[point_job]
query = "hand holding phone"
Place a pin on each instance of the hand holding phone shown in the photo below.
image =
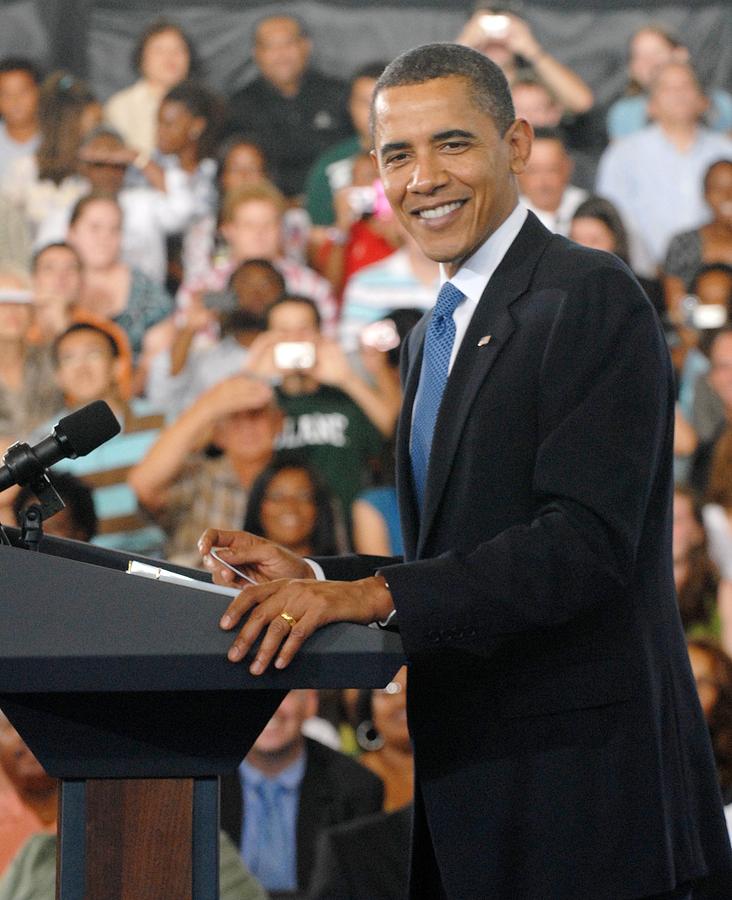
(214, 555)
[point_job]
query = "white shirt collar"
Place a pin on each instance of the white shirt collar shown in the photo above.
(474, 274)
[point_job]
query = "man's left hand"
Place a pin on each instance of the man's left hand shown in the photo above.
(290, 610)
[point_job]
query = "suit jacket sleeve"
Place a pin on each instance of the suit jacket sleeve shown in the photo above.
(604, 423)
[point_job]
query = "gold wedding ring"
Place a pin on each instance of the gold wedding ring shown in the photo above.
(289, 619)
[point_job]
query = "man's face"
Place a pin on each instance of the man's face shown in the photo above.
(57, 276)
(676, 98)
(447, 172)
(18, 99)
(255, 231)
(86, 369)
(546, 175)
(284, 729)
(15, 318)
(720, 375)
(280, 51)
(359, 106)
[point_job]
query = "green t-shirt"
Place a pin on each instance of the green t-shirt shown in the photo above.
(32, 874)
(334, 435)
(323, 175)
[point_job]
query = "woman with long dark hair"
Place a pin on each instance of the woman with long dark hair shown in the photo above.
(289, 504)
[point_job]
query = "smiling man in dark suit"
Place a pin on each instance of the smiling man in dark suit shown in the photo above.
(560, 752)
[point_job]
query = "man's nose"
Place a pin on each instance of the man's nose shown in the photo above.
(428, 174)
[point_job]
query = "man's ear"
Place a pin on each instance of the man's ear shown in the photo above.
(519, 137)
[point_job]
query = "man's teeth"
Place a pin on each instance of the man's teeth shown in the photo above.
(439, 210)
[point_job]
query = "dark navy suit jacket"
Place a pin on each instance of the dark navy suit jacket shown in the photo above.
(560, 750)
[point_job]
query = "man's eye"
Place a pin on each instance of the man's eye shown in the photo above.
(454, 145)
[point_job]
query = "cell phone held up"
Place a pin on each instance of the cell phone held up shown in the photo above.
(294, 355)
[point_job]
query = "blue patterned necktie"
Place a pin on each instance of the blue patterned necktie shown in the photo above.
(432, 380)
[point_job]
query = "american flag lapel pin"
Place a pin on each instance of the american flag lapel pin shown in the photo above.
(484, 340)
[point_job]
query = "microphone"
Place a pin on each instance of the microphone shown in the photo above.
(74, 435)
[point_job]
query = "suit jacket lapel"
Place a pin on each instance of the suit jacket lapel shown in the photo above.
(473, 363)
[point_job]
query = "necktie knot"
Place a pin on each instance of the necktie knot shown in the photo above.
(448, 300)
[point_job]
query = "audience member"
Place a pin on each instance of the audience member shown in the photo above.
(163, 57)
(38, 185)
(702, 313)
(333, 169)
(177, 377)
(375, 513)
(405, 280)
(110, 288)
(655, 176)
(251, 224)
(712, 669)
(650, 48)
(344, 863)
(241, 163)
(583, 135)
(57, 280)
(695, 575)
(77, 520)
(709, 431)
(28, 797)
(710, 243)
(286, 791)
(545, 182)
(28, 394)
(15, 244)
(384, 737)
(596, 223)
(88, 369)
(365, 230)
(331, 414)
(149, 213)
(185, 488)
(290, 504)
(19, 94)
(32, 874)
(293, 111)
(509, 41)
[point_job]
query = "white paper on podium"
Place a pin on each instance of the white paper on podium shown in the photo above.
(153, 572)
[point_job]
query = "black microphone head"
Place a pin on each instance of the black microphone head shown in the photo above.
(86, 429)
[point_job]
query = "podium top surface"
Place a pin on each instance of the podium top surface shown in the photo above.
(69, 626)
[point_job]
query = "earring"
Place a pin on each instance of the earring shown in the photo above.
(367, 737)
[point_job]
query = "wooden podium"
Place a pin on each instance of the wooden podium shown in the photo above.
(121, 687)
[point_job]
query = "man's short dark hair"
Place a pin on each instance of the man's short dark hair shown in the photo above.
(488, 84)
(83, 326)
(21, 64)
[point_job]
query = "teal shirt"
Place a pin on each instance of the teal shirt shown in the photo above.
(323, 176)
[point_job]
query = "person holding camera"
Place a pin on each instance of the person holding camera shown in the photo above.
(333, 418)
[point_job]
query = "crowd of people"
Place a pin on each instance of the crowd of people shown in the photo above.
(226, 273)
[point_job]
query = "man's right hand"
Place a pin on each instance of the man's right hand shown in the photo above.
(261, 559)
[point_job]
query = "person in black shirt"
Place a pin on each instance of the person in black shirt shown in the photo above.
(293, 111)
